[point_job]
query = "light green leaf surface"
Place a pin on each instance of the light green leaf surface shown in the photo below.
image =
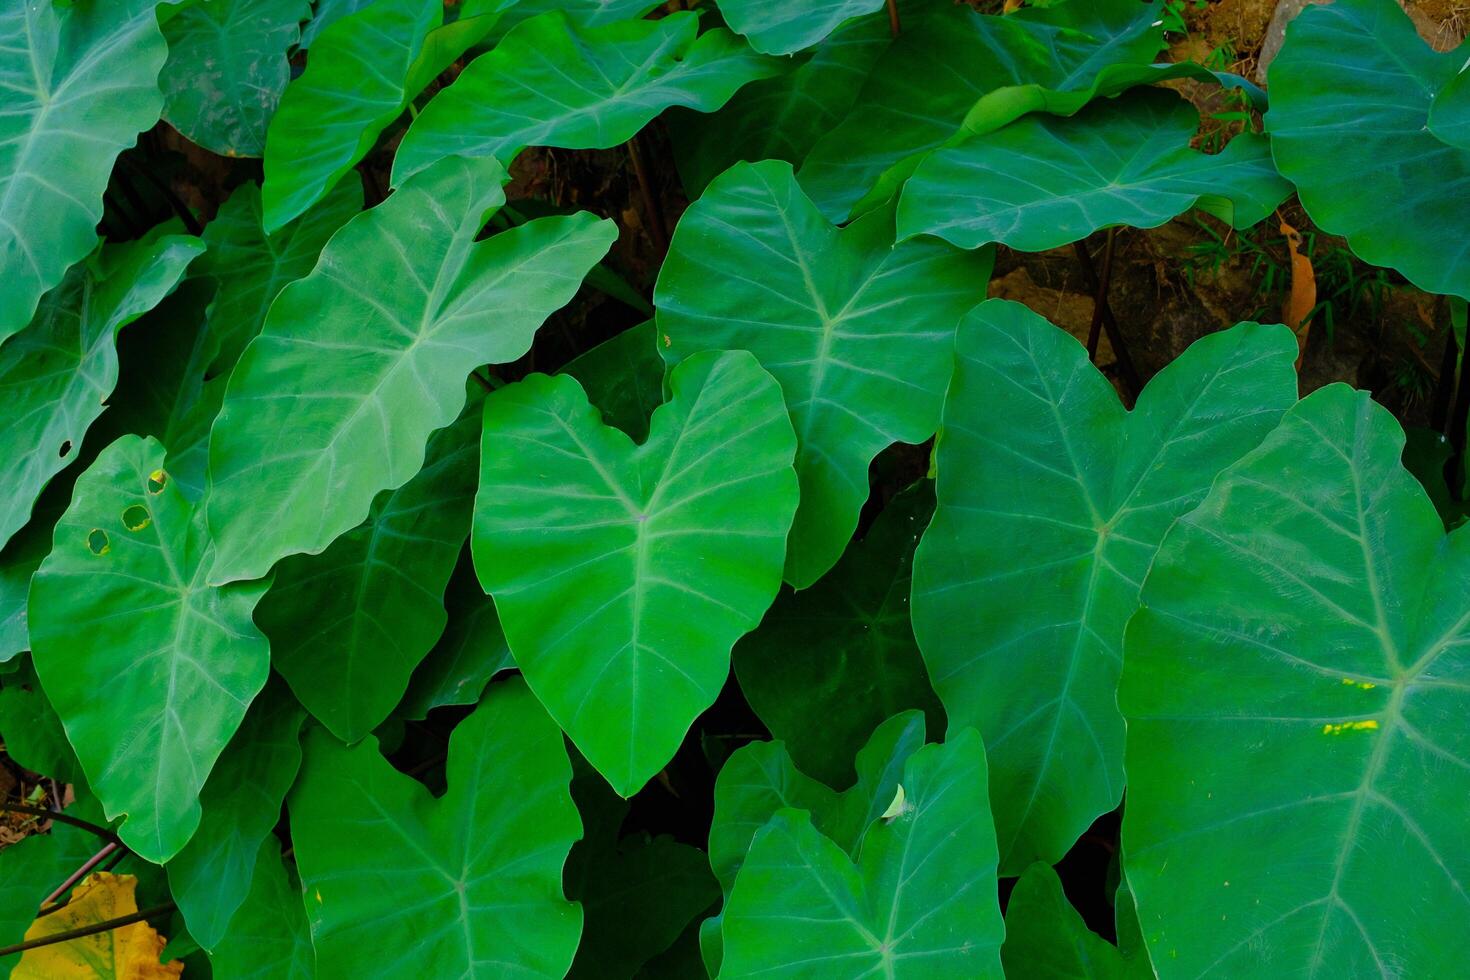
(624, 378)
(784, 27)
(624, 574)
(830, 663)
(1296, 688)
(212, 876)
(403, 304)
(124, 597)
(1052, 502)
(466, 885)
(1449, 115)
(268, 938)
(80, 83)
(1351, 94)
(227, 68)
(918, 902)
(1045, 181)
(471, 650)
(174, 373)
(348, 626)
(552, 83)
(327, 12)
(362, 73)
(859, 333)
(929, 80)
(585, 13)
(1046, 938)
(57, 373)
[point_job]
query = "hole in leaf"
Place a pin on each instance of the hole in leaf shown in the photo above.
(97, 542)
(157, 480)
(136, 518)
(65, 448)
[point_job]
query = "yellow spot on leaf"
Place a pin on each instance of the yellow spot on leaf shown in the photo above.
(319, 896)
(667, 341)
(157, 480)
(126, 953)
(1360, 685)
(1350, 726)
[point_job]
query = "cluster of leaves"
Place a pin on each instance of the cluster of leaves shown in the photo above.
(315, 504)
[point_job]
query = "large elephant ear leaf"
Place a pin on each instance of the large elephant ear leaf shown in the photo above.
(268, 937)
(1296, 688)
(123, 596)
(1052, 500)
(552, 83)
(409, 302)
(1046, 938)
(858, 331)
(1351, 95)
(777, 27)
(81, 82)
(57, 373)
(1060, 48)
(622, 601)
(477, 872)
(982, 190)
(227, 68)
(361, 74)
(918, 902)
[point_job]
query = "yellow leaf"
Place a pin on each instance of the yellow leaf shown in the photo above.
(1302, 300)
(127, 953)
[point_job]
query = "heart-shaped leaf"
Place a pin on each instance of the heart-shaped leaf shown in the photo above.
(349, 625)
(402, 305)
(211, 877)
(268, 937)
(476, 875)
(552, 83)
(784, 27)
(123, 596)
(1052, 502)
(363, 71)
(1046, 938)
(1296, 688)
(624, 377)
(859, 332)
(56, 375)
(227, 68)
(918, 902)
(1124, 161)
(622, 601)
(828, 664)
(1351, 95)
(80, 83)
(903, 110)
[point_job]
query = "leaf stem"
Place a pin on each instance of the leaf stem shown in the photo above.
(57, 815)
(1439, 413)
(893, 25)
(1100, 298)
(106, 925)
(81, 872)
(657, 229)
(1126, 369)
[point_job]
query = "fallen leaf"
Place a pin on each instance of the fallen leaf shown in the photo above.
(1296, 313)
(126, 953)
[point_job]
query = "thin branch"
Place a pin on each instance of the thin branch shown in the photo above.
(85, 931)
(81, 872)
(487, 381)
(57, 815)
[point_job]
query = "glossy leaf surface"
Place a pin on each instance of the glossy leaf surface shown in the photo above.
(1046, 938)
(774, 27)
(268, 937)
(622, 602)
(1052, 500)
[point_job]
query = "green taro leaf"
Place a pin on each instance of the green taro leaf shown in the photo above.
(584, 13)
(1045, 181)
(1296, 688)
(624, 573)
(624, 377)
(1351, 97)
(123, 597)
(361, 74)
(325, 14)
(173, 385)
(19, 560)
(402, 305)
(1449, 116)
(227, 68)
(348, 626)
(784, 27)
(471, 650)
(57, 373)
(829, 663)
(81, 81)
(923, 89)
(1046, 938)
(1052, 502)
(30, 729)
(466, 885)
(552, 83)
(268, 937)
(858, 331)
(919, 901)
(212, 876)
